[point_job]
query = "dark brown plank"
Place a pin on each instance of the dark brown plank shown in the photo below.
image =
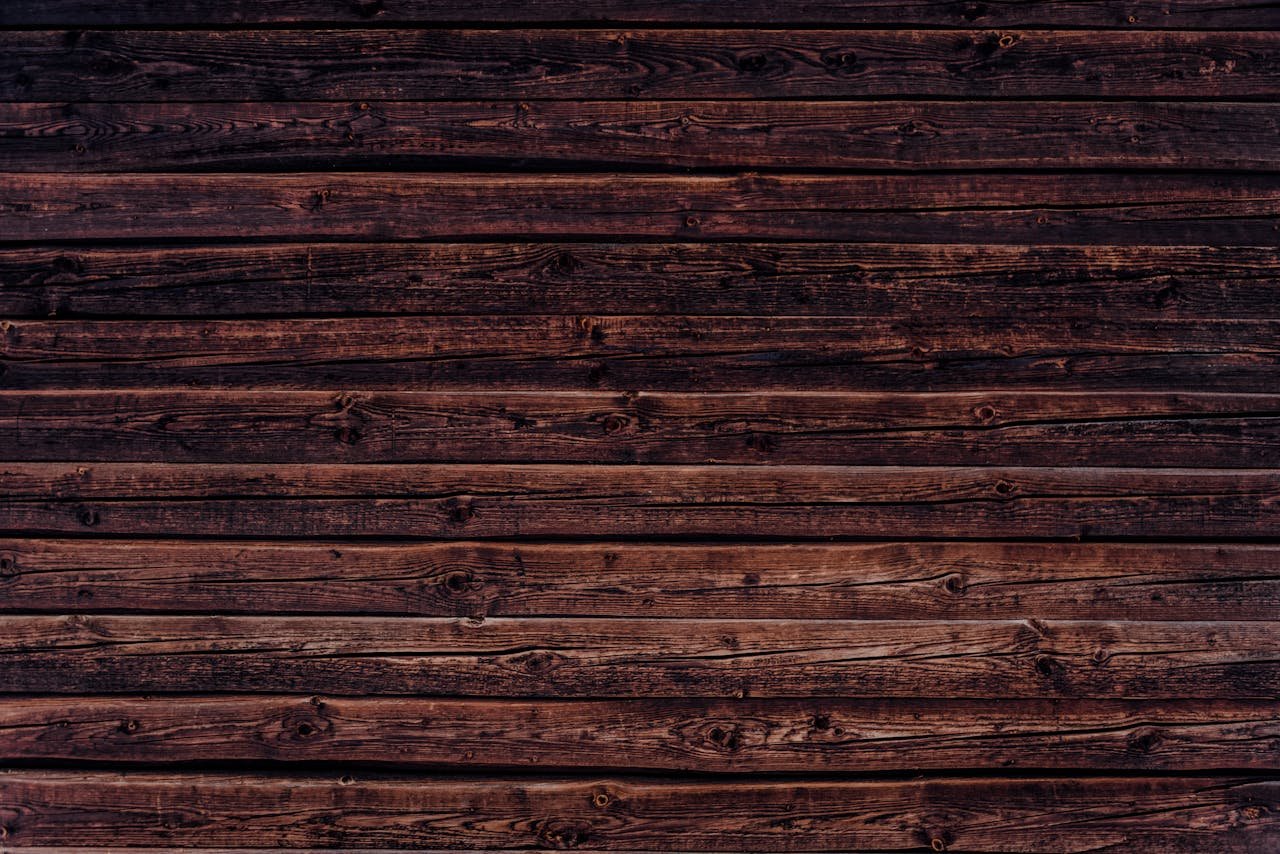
(1117, 209)
(872, 280)
(592, 658)
(614, 134)
(1168, 815)
(1193, 14)
(833, 428)
(462, 501)
(759, 736)
(624, 353)
(957, 581)
(284, 65)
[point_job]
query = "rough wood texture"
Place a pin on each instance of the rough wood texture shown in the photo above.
(249, 65)
(1091, 814)
(1093, 428)
(592, 657)
(1125, 14)
(761, 736)
(831, 425)
(968, 208)
(886, 281)
(566, 501)
(626, 353)
(620, 134)
(955, 581)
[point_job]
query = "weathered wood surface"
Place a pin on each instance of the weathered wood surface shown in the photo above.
(628, 134)
(283, 65)
(1124, 428)
(627, 353)
(1124, 14)
(593, 657)
(889, 281)
(852, 581)
(1171, 814)
(1181, 209)
(470, 501)
(840, 425)
(761, 736)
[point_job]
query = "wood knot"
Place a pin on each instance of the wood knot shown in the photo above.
(1007, 41)
(538, 661)
(348, 435)
(938, 844)
(821, 723)
(986, 412)
(459, 511)
(725, 738)
(954, 584)
(564, 833)
(840, 60)
(563, 264)
(8, 566)
(601, 800)
(88, 517)
(346, 779)
(130, 726)
(614, 423)
(367, 8)
(456, 583)
(1145, 740)
(1003, 487)
(763, 443)
(1047, 666)
(753, 63)
(973, 11)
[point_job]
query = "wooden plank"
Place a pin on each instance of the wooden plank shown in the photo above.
(759, 736)
(1190, 14)
(464, 501)
(618, 134)
(1169, 814)
(944, 581)
(286, 65)
(623, 353)
(833, 428)
(872, 280)
(1114, 209)
(596, 657)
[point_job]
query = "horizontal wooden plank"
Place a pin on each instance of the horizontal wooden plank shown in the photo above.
(1169, 814)
(617, 134)
(758, 736)
(285, 65)
(957, 580)
(872, 280)
(834, 428)
(1115, 209)
(624, 353)
(595, 657)
(463, 501)
(941, 13)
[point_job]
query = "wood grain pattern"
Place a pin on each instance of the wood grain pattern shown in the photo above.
(594, 657)
(280, 65)
(889, 281)
(1125, 14)
(1144, 814)
(1092, 428)
(629, 134)
(463, 501)
(626, 353)
(759, 736)
(967, 208)
(904, 580)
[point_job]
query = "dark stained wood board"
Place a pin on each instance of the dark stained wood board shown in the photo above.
(840, 425)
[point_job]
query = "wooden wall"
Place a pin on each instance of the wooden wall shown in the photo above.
(828, 425)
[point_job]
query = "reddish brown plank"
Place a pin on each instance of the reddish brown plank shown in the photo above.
(959, 581)
(411, 64)
(1137, 14)
(625, 353)
(885, 428)
(467, 501)
(1116, 209)
(611, 134)
(871, 280)
(1163, 815)
(595, 657)
(758, 736)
